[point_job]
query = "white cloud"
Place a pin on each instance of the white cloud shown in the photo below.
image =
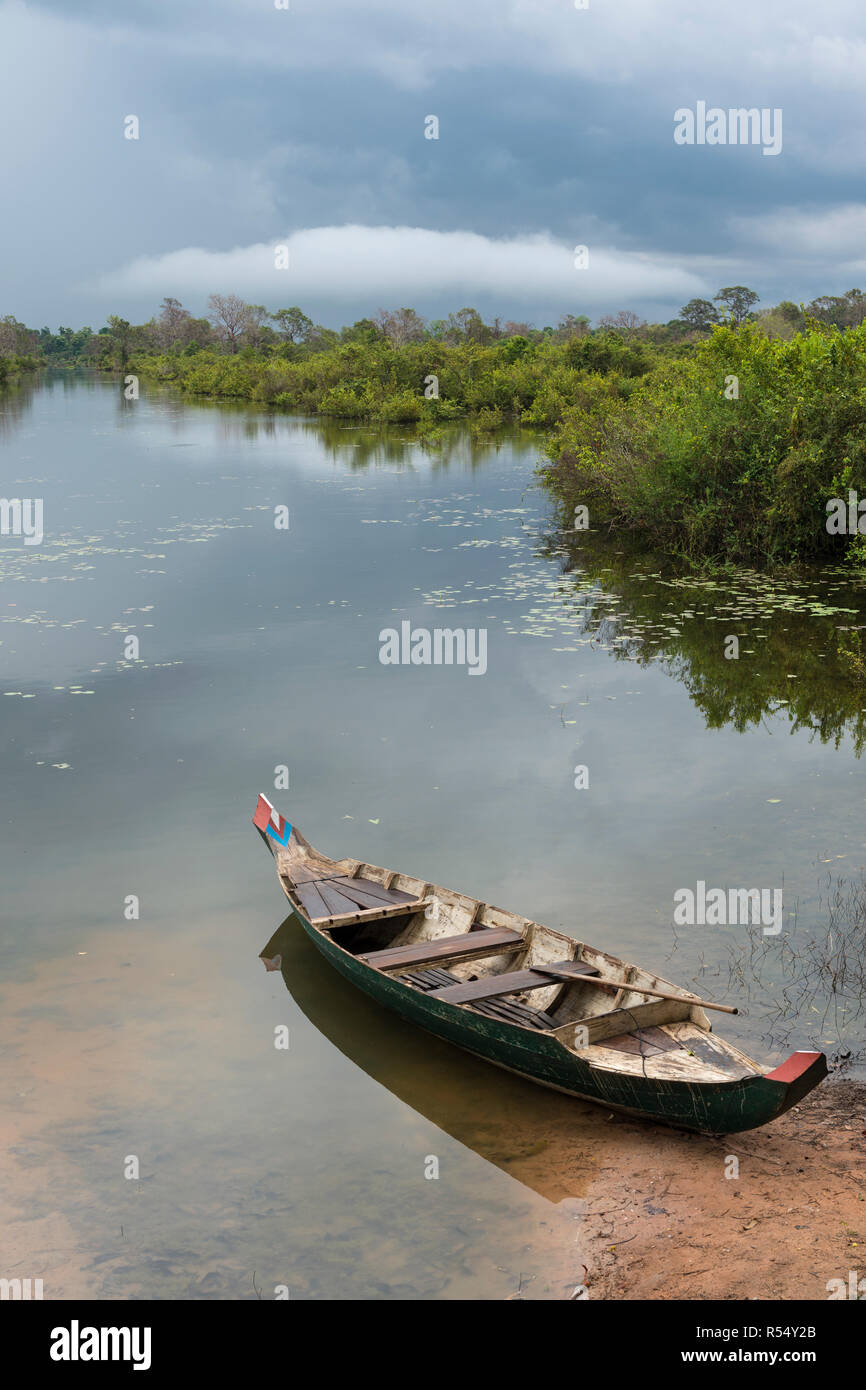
(824, 235)
(408, 264)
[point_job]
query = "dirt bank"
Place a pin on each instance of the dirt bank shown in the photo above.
(664, 1221)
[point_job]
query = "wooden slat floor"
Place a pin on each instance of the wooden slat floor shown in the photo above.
(646, 1042)
(506, 1012)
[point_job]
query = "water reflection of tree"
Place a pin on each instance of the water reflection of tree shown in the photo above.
(804, 664)
(365, 446)
(16, 398)
(358, 446)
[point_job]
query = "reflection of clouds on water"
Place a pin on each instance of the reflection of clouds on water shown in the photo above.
(310, 1160)
(296, 1166)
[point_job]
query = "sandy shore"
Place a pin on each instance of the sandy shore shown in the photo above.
(663, 1221)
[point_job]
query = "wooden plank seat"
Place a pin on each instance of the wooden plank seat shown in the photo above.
(512, 1012)
(345, 899)
(488, 941)
(511, 982)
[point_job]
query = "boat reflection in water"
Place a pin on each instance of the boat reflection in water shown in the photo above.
(513, 1124)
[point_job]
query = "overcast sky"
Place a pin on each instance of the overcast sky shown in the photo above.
(305, 127)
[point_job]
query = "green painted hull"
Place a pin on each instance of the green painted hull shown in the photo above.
(709, 1107)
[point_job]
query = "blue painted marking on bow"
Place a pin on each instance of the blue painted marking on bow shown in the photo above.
(280, 839)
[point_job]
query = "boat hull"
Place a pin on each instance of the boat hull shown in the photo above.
(706, 1107)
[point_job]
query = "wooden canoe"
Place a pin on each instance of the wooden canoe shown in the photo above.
(527, 998)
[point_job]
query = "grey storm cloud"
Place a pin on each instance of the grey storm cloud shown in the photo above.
(305, 125)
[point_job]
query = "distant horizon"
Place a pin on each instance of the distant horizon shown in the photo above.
(501, 318)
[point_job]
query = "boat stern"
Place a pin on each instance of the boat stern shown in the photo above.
(802, 1072)
(765, 1098)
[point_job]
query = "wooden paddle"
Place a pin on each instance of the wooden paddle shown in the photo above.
(635, 989)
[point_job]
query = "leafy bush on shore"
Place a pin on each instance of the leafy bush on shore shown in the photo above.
(11, 366)
(730, 453)
(509, 380)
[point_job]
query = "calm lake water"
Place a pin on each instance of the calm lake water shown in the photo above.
(153, 1038)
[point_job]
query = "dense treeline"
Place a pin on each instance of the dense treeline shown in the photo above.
(234, 327)
(232, 324)
(424, 383)
(723, 433)
(395, 367)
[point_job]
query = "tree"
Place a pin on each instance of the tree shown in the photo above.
(843, 311)
(362, 331)
(856, 307)
(8, 335)
(783, 321)
(230, 316)
(16, 337)
(66, 342)
(401, 326)
(256, 331)
(293, 324)
(471, 325)
(172, 325)
(828, 308)
(738, 301)
(572, 326)
(120, 331)
(321, 338)
(200, 332)
(699, 314)
(623, 322)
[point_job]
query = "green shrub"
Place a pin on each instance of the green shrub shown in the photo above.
(403, 408)
(345, 404)
(732, 452)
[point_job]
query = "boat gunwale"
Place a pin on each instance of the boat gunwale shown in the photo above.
(529, 924)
